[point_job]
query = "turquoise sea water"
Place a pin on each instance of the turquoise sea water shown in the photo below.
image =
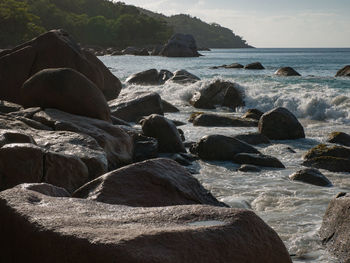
(318, 99)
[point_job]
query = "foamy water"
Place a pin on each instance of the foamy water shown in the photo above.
(320, 101)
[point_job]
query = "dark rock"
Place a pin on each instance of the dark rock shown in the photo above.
(178, 123)
(96, 232)
(153, 183)
(165, 75)
(181, 132)
(280, 124)
(54, 49)
(286, 72)
(168, 107)
(220, 93)
(333, 164)
(180, 45)
(142, 52)
(215, 120)
(13, 136)
(335, 228)
(183, 77)
(7, 107)
(116, 53)
(148, 77)
(234, 65)
(145, 148)
(156, 50)
(117, 121)
(344, 72)
(165, 132)
(311, 176)
(65, 171)
(253, 138)
(45, 189)
(67, 90)
(20, 163)
(339, 138)
(253, 114)
(255, 65)
(115, 142)
(134, 106)
(135, 51)
(249, 168)
(258, 159)
(220, 147)
(323, 150)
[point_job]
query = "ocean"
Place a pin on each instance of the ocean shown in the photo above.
(319, 100)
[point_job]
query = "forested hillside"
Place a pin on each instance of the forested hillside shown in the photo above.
(207, 35)
(105, 23)
(93, 22)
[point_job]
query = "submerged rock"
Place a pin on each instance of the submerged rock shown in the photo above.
(280, 124)
(339, 138)
(249, 168)
(258, 159)
(215, 120)
(344, 72)
(234, 65)
(67, 90)
(132, 107)
(221, 93)
(311, 176)
(153, 183)
(335, 228)
(98, 232)
(286, 72)
(220, 147)
(165, 131)
(180, 45)
(255, 65)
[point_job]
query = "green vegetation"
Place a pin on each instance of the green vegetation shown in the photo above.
(105, 23)
(91, 22)
(206, 35)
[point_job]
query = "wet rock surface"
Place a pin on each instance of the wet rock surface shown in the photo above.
(311, 176)
(258, 159)
(341, 138)
(286, 72)
(102, 232)
(216, 120)
(344, 72)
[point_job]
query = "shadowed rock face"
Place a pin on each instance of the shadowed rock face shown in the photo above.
(339, 138)
(180, 45)
(67, 90)
(153, 183)
(335, 228)
(221, 148)
(344, 72)
(280, 124)
(97, 232)
(54, 49)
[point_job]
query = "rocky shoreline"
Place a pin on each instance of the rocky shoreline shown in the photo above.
(88, 185)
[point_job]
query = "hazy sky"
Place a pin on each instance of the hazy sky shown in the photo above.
(269, 23)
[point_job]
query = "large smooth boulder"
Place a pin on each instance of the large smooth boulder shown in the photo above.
(20, 163)
(132, 107)
(339, 138)
(67, 90)
(234, 65)
(280, 124)
(180, 45)
(258, 159)
(183, 77)
(97, 232)
(335, 228)
(344, 72)
(221, 93)
(152, 183)
(220, 148)
(254, 65)
(165, 132)
(286, 72)
(216, 120)
(116, 143)
(148, 77)
(54, 49)
(328, 157)
(311, 176)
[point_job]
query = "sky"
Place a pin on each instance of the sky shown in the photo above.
(269, 23)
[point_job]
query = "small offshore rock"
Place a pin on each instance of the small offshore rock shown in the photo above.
(255, 65)
(258, 159)
(286, 72)
(311, 176)
(249, 168)
(339, 138)
(344, 72)
(216, 120)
